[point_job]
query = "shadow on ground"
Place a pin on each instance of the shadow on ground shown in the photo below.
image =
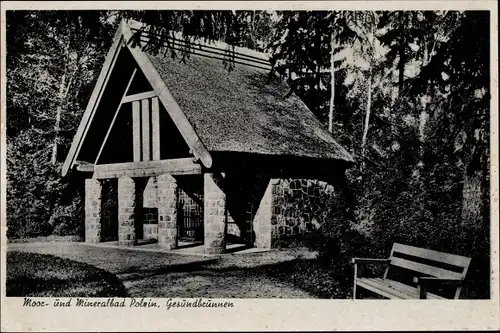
(273, 274)
(40, 275)
(222, 277)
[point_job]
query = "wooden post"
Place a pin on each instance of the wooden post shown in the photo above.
(355, 278)
(421, 291)
(386, 272)
(145, 129)
(155, 123)
(136, 131)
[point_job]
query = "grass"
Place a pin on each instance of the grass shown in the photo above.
(41, 275)
(51, 238)
(310, 276)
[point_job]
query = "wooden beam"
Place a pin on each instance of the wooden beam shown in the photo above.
(155, 123)
(174, 110)
(178, 166)
(136, 130)
(138, 97)
(84, 166)
(114, 117)
(145, 130)
(88, 115)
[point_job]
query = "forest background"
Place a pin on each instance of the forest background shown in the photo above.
(406, 92)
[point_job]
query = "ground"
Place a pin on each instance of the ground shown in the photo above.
(42, 275)
(146, 274)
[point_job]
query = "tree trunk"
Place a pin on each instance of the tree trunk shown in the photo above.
(332, 84)
(63, 93)
(368, 98)
(318, 67)
(402, 55)
(252, 29)
(60, 97)
(367, 120)
(472, 203)
(423, 117)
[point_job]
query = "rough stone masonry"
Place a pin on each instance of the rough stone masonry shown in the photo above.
(262, 212)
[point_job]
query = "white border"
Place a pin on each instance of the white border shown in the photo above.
(270, 314)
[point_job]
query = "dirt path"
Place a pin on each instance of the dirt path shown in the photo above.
(146, 274)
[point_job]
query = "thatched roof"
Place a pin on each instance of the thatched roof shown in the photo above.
(244, 110)
(216, 111)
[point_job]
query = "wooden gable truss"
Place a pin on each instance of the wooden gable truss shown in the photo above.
(145, 119)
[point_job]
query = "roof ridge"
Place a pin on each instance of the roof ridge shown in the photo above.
(223, 46)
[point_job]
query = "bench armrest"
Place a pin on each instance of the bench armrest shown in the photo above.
(424, 282)
(370, 261)
(429, 281)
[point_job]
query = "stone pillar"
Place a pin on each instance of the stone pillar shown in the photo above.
(265, 220)
(126, 211)
(92, 211)
(167, 211)
(277, 219)
(214, 214)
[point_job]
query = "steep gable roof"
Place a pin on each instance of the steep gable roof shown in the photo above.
(245, 111)
(216, 110)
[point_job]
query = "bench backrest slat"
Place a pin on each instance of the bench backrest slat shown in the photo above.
(428, 263)
(425, 269)
(451, 259)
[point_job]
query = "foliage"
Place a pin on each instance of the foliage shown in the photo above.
(427, 129)
(48, 73)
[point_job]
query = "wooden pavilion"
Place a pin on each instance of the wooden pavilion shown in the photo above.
(206, 152)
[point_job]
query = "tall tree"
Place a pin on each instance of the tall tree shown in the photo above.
(459, 75)
(52, 58)
(401, 32)
(364, 24)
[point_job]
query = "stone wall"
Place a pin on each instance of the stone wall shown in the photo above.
(127, 211)
(257, 210)
(167, 211)
(261, 215)
(190, 190)
(214, 213)
(92, 211)
(298, 206)
(272, 212)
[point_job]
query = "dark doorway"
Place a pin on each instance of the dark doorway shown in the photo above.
(190, 208)
(109, 210)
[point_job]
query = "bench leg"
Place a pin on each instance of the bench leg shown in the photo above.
(422, 292)
(355, 277)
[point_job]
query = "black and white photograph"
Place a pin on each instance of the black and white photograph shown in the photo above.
(187, 158)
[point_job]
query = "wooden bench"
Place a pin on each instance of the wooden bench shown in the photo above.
(433, 269)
